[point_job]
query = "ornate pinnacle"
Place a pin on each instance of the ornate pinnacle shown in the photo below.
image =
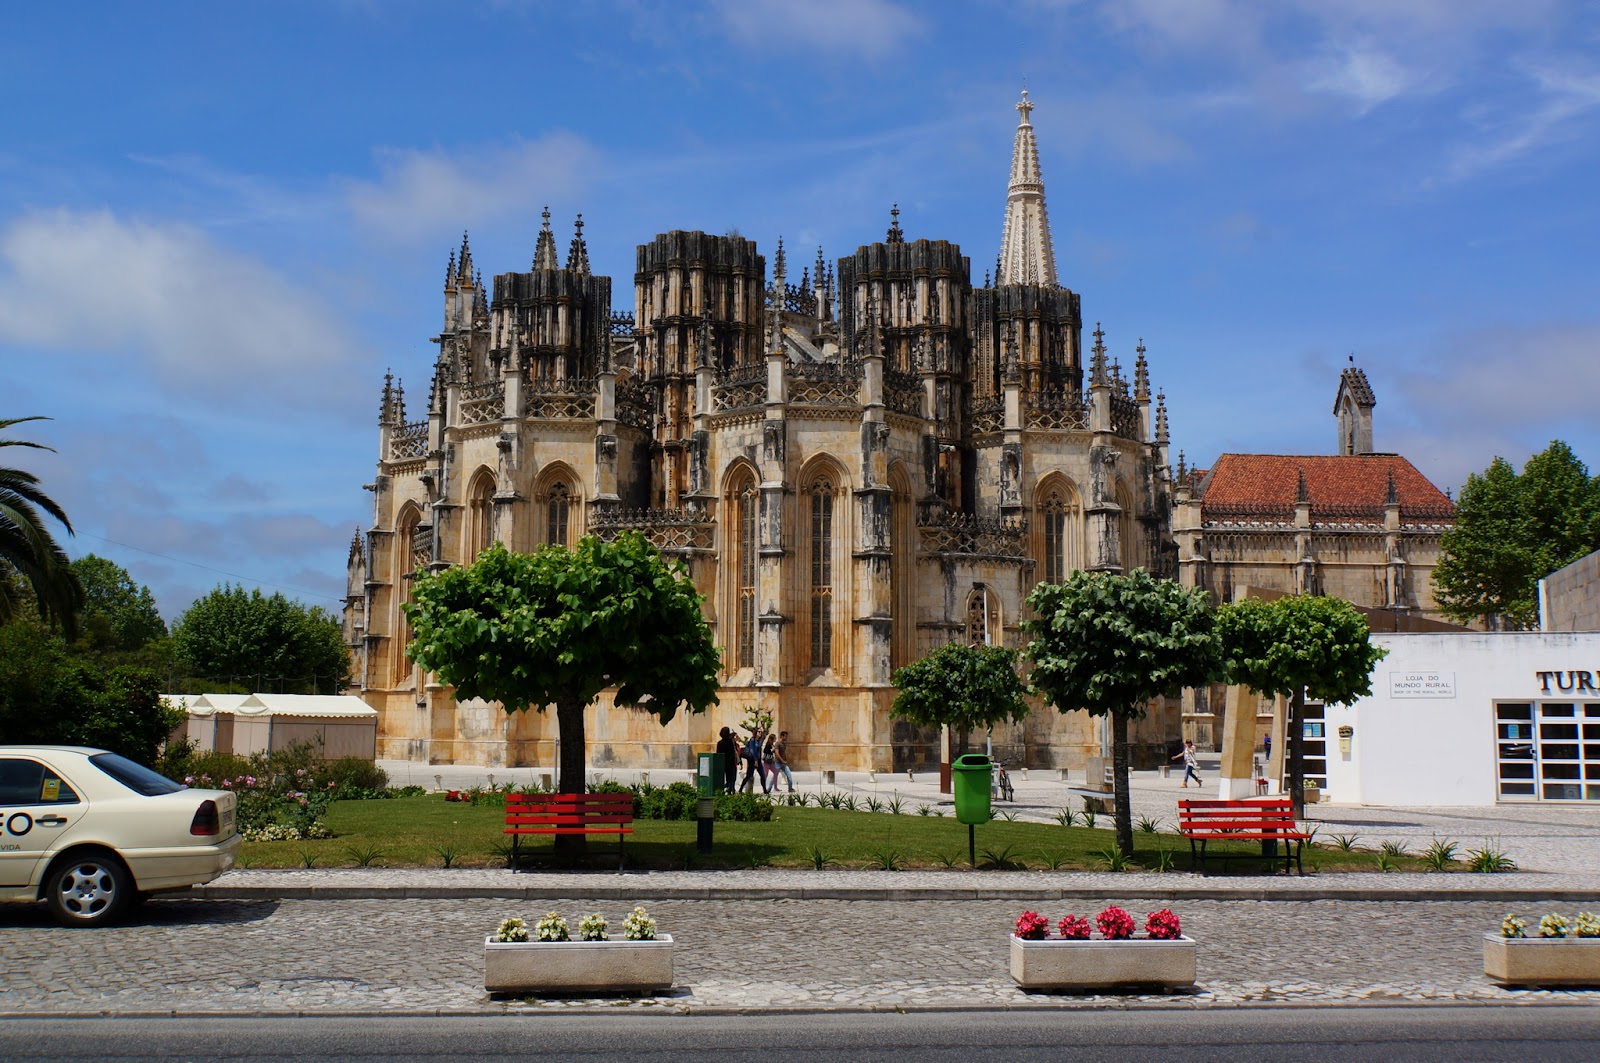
(1183, 468)
(805, 279)
(779, 267)
(1161, 418)
(1391, 497)
(1025, 108)
(464, 263)
(895, 235)
(820, 265)
(450, 270)
(578, 252)
(544, 251)
(1301, 494)
(399, 403)
(1141, 375)
(1097, 363)
(386, 403)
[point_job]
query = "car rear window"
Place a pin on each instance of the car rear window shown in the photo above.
(136, 777)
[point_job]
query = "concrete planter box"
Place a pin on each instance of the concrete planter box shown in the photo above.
(1541, 961)
(1056, 963)
(572, 968)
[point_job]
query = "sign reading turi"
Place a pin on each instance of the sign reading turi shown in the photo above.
(1422, 684)
(1567, 682)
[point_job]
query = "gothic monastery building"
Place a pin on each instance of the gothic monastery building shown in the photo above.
(854, 469)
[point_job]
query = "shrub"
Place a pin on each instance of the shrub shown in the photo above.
(744, 808)
(1115, 924)
(1031, 926)
(1163, 925)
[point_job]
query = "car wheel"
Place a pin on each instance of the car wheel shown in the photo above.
(88, 890)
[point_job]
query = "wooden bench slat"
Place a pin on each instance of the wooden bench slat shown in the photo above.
(569, 814)
(1249, 819)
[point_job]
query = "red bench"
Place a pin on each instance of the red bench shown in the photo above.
(568, 814)
(1264, 819)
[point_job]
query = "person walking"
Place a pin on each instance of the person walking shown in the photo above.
(752, 761)
(728, 746)
(1190, 762)
(781, 760)
(769, 763)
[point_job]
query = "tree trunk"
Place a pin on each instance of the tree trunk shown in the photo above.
(1119, 770)
(1296, 751)
(573, 768)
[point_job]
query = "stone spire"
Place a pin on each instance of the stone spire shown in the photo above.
(578, 253)
(1141, 374)
(544, 253)
(464, 262)
(1161, 418)
(450, 271)
(896, 235)
(1026, 256)
(1097, 362)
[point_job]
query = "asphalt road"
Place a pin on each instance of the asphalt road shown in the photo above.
(1461, 1035)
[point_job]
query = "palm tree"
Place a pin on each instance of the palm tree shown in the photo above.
(27, 548)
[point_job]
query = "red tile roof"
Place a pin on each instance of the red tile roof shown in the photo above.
(1335, 484)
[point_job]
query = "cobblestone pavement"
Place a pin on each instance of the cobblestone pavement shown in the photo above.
(410, 955)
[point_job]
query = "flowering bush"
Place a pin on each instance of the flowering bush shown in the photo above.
(1031, 926)
(638, 926)
(593, 928)
(1114, 923)
(1163, 925)
(512, 930)
(1553, 926)
(1588, 925)
(552, 928)
(1512, 927)
(1073, 928)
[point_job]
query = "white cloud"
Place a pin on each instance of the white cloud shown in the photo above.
(423, 193)
(208, 319)
(869, 28)
(1563, 97)
(1366, 75)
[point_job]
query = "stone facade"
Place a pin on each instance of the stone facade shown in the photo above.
(1569, 598)
(853, 469)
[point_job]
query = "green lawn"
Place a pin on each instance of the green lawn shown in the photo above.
(421, 831)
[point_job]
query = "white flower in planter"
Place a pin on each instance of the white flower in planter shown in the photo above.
(593, 928)
(512, 930)
(639, 926)
(1513, 927)
(552, 928)
(1553, 926)
(1588, 925)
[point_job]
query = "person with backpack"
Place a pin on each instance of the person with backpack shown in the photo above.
(751, 755)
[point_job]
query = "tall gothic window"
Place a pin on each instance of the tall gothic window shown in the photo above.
(821, 574)
(411, 557)
(480, 516)
(558, 512)
(747, 550)
(1063, 534)
(1125, 531)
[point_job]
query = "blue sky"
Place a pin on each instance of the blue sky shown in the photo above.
(220, 224)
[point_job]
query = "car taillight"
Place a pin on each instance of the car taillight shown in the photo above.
(206, 821)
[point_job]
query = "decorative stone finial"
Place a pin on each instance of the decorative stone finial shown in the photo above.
(895, 235)
(1097, 361)
(544, 252)
(1141, 374)
(1161, 418)
(578, 252)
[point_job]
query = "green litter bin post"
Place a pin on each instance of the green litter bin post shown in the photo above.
(970, 779)
(708, 782)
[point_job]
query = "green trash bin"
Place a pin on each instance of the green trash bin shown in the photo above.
(970, 779)
(708, 774)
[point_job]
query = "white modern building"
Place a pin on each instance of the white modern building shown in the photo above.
(1468, 718)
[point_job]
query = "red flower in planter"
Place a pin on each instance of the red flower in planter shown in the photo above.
(1074, 928)
(1115, 923)
(1031, 926)
(1163, 925)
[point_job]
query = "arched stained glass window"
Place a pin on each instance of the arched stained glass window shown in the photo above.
(821, 496)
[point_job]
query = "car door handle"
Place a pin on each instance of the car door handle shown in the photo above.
(51, 821)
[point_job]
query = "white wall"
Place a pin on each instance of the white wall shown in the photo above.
(1440, 750)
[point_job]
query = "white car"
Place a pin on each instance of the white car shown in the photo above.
(91, 833)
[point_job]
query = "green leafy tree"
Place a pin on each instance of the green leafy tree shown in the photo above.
(1298, 647)
(961, 686)
(265, 643)
(49, 696)
(118, 614)
(28, 549)
(1110, 643)
(1513, 530)
(559, 626)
